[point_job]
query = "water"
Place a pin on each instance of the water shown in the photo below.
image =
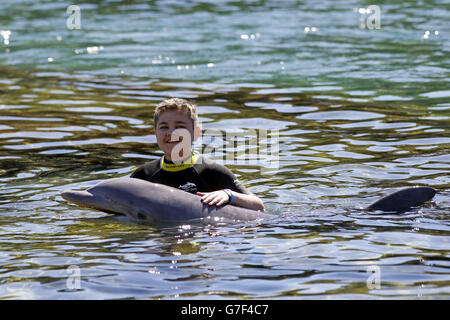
(359, 112)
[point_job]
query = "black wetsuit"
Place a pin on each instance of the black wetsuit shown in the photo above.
(203, 176)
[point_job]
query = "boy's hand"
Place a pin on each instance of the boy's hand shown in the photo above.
(217, 198)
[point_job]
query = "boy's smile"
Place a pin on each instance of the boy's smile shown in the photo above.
(168, 138)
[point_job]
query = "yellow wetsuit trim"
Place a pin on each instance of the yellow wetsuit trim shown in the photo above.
(189, 162)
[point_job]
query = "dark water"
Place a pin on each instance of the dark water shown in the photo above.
(358, 113)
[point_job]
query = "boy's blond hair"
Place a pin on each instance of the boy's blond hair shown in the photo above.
(179, 105)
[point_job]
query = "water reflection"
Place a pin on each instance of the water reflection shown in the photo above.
(359, 112)
(336, 156)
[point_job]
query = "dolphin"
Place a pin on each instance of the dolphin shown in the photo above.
(156, 203)
(403, 199)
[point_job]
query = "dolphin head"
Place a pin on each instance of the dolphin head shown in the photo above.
(87, 199)
(114, 196)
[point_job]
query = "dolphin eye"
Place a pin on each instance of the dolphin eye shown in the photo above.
(141, 216)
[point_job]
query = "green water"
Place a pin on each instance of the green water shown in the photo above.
(359, 112)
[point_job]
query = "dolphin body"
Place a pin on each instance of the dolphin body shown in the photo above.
(155, 203)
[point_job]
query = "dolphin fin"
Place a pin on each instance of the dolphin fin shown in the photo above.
(403, 200)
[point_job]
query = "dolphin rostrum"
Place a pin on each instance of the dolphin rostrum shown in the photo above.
(151, 202)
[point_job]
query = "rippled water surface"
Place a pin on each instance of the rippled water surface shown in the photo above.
(359, 112)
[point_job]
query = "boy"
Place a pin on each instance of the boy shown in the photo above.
(176, 128)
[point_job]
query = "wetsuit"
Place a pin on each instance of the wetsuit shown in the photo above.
(199, 174)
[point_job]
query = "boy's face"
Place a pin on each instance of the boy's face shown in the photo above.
(168, 122)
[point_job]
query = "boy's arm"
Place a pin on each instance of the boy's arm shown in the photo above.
(230, 190)
(221, 197)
